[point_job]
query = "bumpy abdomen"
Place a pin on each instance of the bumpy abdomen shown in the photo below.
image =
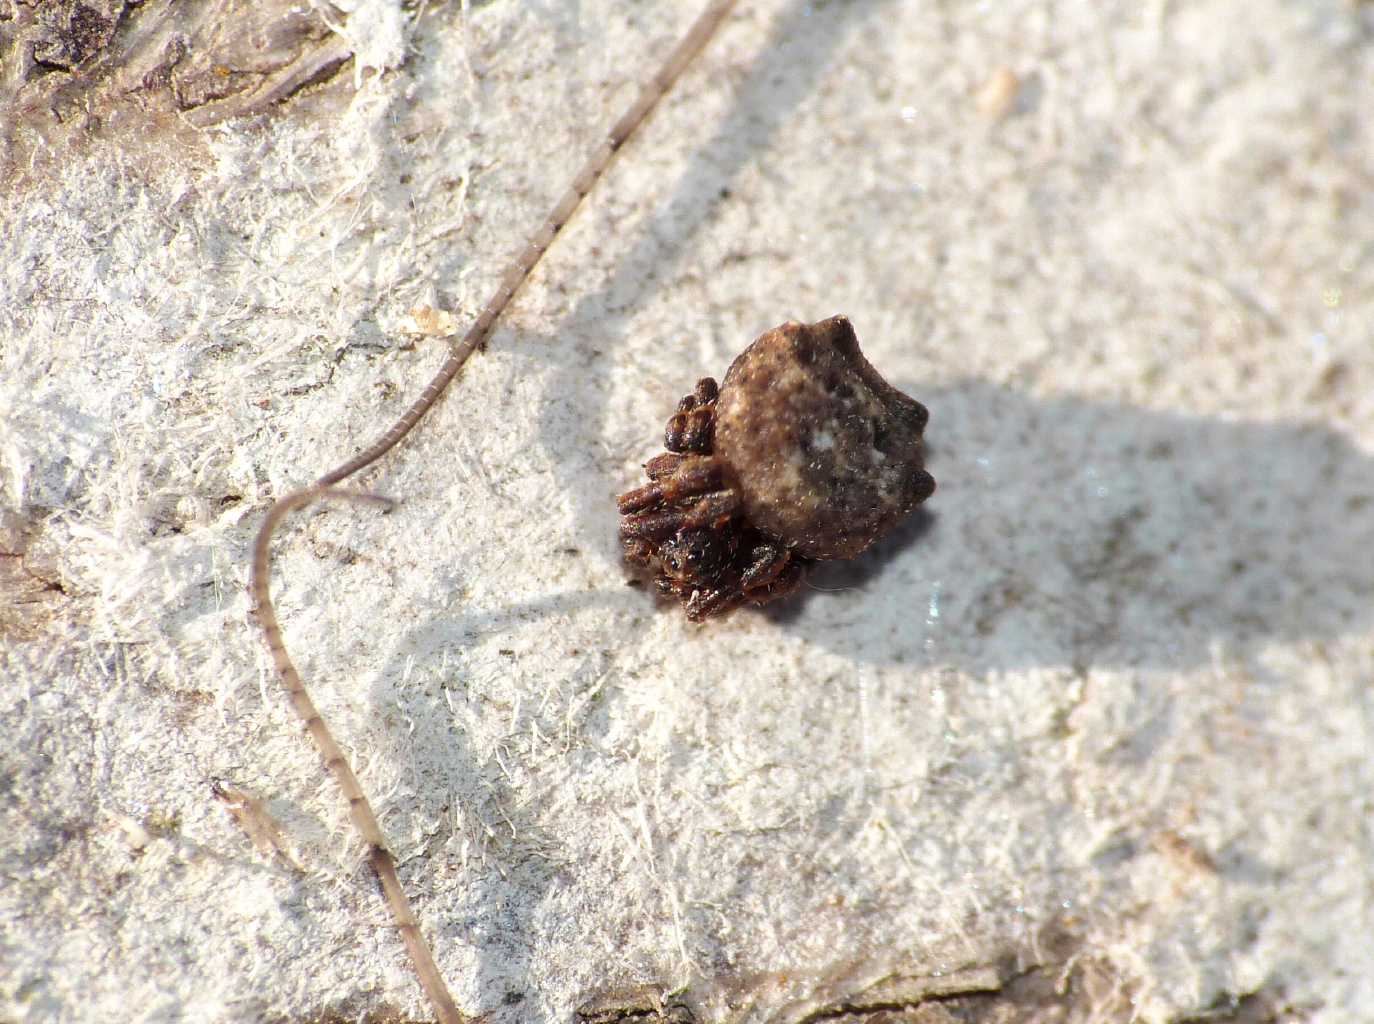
(826, 455)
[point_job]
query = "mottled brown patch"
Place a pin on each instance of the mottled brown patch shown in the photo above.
(34, 600)
(74, 32)
(142, 77)
(825, 453)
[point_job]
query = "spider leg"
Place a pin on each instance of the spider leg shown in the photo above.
(691, 476)
(767, 562)
(788, 580)
(709, 510)
(712, 601)
(650, 526)
(774, 573)
(691, 431)
(692, 427)
(714, 509)
(638, 552)
(785, 584)
(664, 464)
(699, 603)
(706, 391)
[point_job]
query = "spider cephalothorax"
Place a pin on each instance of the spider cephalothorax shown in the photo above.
(804, 454)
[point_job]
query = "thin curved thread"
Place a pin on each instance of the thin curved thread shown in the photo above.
(515, 275)
(335, 762)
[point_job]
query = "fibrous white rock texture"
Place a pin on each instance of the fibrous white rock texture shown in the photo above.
(1091, 736)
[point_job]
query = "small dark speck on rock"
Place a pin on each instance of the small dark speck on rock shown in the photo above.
(86, 31)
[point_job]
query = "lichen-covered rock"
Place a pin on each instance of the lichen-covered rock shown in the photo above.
(826, 455)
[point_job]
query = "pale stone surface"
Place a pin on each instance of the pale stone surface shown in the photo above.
(1110, 699)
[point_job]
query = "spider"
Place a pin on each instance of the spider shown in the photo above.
(687, 520)
(804, 454)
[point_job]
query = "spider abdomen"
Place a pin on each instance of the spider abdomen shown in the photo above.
(827, 455)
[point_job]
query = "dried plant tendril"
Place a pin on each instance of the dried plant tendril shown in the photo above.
(516, 273)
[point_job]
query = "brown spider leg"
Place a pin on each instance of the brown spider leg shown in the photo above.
(666, 585)
(769, 562)
(650, 526)
(715, 601)
(664, 464)
(694, 475)
(691, 429)
(713, 509)
(710, 510)
(639, 552)
(706, 391)
(788, 580)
